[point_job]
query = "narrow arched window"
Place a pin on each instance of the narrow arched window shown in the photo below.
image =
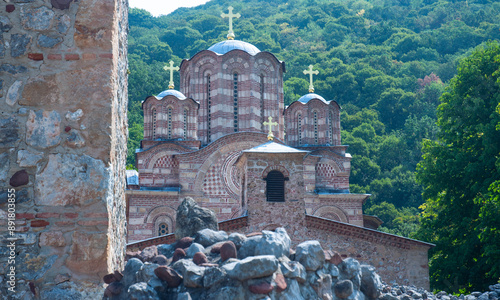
(169, 123)
(154, 123)
(275, 186)
(209, 104)
(331, 128)
(299, 128)
(262, 101)
(162, 229)
(315, 128)
(235, 101)
(185, 123)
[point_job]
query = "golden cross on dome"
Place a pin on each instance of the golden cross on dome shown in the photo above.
(171, 69)
(270, 135)
(311, 72)
(230, 15)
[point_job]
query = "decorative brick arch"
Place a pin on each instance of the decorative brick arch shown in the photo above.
(331, 162)
(277, 168)
(171, 149)
(204, 60)
(221, 147)
(161, 214)
(236, 62)
(332, 158)
(265, 66)
(331, 212)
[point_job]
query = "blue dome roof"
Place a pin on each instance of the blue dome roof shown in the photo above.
(310, 96)
(228, 45)
(175, 93)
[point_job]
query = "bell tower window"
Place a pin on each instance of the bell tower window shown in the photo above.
(169, 123)
(299, 127)
(209, 104)
(275, 187)
(262, 100)
(331, 127)
(235, 101)
(316, 128)
(154, 123)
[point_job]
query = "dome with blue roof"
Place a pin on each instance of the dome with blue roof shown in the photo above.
(228, 45)
(304, 99)
(175, 93)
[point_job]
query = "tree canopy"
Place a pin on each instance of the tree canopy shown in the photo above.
(460, 173)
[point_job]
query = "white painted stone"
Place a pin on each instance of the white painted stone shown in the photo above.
(13, 93)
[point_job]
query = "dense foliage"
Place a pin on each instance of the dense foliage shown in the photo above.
(460, 173)
(386, 62)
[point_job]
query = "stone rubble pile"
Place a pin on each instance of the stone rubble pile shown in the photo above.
(210, 264)
(396, 292)
(215, 265)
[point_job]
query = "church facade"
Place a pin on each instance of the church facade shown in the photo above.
(226, 139)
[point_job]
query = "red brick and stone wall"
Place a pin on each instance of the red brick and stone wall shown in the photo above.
(63, 93)
(263, 214)
(397, 259)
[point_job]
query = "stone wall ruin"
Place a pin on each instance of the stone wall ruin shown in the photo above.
(63, 133)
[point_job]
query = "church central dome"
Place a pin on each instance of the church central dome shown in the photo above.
(310, 96)
(228, 45)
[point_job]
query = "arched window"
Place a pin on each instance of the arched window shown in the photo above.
(275, 187)
(185, 123)
(262, 101)
(330, 127)
(235, 101)
(162, 229)
(169, 123)
(154, 123)
(209, 104)
(315, 128)
(299, 127)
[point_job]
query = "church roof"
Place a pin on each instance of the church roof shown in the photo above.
(273, 147)
(310, 96)
(228, 45)
(175, 93)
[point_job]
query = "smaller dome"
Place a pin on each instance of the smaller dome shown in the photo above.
(174, 93)
(310, 96)
(228, 45)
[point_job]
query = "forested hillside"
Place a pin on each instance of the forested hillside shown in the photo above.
(386, 62)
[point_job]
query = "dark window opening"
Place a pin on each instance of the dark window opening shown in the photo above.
(275, 187)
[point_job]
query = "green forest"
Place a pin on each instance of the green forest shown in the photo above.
(418, 84)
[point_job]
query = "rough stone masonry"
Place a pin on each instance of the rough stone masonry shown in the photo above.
(63, 132)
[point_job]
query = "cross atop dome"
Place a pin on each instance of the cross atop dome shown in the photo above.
(230, 15)
(171, 69)
(311, 72)
(270, 135)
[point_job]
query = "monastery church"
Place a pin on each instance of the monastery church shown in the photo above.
(226, 139)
